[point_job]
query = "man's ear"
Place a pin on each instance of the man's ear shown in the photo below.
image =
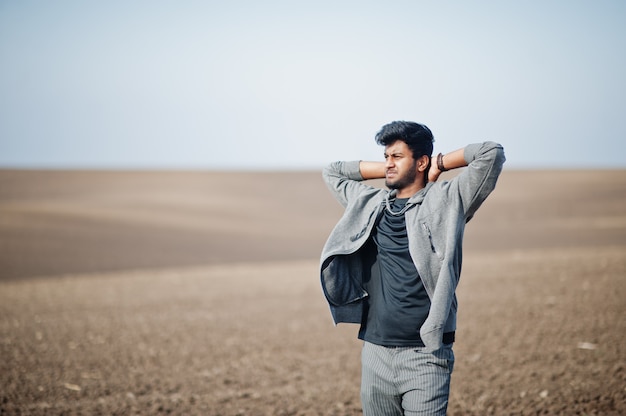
(422, 163)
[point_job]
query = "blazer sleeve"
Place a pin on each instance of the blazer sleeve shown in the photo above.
(478, 180)
(344, 180)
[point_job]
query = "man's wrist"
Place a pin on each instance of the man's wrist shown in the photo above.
(440, 164)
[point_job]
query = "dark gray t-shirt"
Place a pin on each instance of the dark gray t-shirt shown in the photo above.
(398, 304)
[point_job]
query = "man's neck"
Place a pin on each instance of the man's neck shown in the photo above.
(409, 191)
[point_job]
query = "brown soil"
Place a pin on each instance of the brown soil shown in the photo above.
(197, 293)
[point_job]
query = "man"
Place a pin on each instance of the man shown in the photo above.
(393, 261)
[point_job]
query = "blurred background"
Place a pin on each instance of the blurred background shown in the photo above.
(162, 209)
(293, 85)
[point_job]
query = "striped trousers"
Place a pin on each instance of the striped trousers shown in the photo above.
(405, 380)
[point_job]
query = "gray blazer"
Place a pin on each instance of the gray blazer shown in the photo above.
(435, 229)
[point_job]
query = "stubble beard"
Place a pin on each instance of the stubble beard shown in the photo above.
(403, 181)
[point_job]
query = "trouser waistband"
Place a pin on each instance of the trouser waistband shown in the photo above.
(448, 337)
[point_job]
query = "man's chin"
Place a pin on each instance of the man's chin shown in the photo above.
(391, 185)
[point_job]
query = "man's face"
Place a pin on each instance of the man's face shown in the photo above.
(400, 167)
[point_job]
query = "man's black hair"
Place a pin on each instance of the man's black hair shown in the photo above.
(417, 136)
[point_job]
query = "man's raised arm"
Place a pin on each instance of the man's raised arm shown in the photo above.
(372, 170)
(452, 160)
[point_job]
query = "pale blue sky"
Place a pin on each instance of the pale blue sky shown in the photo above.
(286, 84)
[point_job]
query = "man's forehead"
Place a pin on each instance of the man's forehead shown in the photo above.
(396, 147)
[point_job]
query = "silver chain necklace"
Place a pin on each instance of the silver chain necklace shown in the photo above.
(398, 213)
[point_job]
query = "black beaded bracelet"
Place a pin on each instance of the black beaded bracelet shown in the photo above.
(440, 163)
